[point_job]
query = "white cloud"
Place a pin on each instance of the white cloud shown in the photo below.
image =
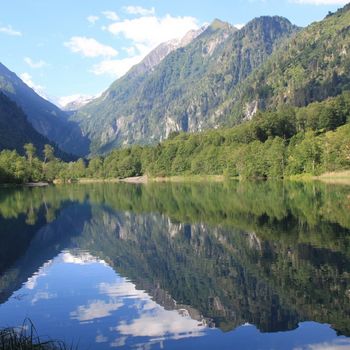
(122, 289)
(337, 344)
(145, 33)
(119, 342)
(131, 51)
(78, 258)
(33, 280)
(79, 101)
(138, 10)
(239, 25)
(116, 68)
(89, 47)
(40, 90)
(43, 296)
(151, 30)
(321, 2)
(10, 31)
(111, 15)
(151, 320)
(95, 309)
(160, 323)
(100, 338)
(34, 65)
(92, 19)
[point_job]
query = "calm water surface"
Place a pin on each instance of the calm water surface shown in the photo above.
(177, 266)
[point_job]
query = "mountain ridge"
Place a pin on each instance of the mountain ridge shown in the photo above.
(44, 116)
(181, 93)
(164, 49)
(216, 76)
(310, 67)
(16, 131)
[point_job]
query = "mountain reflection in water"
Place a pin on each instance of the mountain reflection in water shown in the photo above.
(247, 265)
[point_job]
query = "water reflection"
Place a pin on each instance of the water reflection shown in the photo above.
(175, 265)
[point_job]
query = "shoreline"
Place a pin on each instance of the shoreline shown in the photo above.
(333, 178)
(134, 180)
(37, 184)
(145, 179)
(336, 178)
(191, 178)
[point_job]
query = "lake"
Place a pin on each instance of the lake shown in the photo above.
(236, 265)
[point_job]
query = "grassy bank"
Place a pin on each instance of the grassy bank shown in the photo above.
(341, 177)
(336, 177)
(147, 179)
(136, 179)
(190, 178)
(26, 338)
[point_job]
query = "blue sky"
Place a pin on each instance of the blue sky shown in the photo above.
(68, 47)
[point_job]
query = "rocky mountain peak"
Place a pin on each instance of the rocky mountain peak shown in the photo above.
(163, 50)
(218, 24)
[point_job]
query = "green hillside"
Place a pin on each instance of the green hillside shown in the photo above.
(291, 141)
(311, 66)
(16, 131)
(45, 117)
(185, 90)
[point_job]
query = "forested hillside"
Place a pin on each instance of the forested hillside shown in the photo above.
(45, 117)
(269, 100)
(312, 66)
(222, 78)
(291, 141)
(16, 131)
(184, 92)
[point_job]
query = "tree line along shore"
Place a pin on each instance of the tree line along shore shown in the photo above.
(288, 142)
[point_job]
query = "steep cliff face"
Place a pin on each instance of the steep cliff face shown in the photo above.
(185, 90)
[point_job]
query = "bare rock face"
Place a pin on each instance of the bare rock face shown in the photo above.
(250, 110)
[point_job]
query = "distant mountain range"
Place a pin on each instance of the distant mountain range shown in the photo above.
(214, 77)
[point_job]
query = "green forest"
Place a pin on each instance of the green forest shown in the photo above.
(290, 141)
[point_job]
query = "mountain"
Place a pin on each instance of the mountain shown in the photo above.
(183, 91)
(73, 103)
(16, 131)
(146, 65)
(163, 50)
(45, 117)
(311, 66)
